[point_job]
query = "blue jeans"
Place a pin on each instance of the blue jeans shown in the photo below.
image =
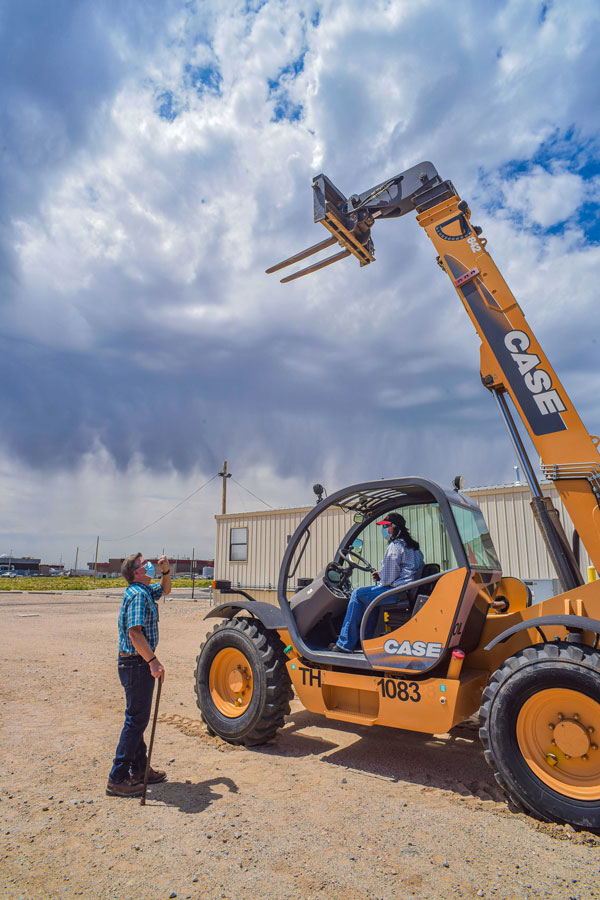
(359, 600)
(138, 683)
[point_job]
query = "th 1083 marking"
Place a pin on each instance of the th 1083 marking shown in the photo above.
(399, 690)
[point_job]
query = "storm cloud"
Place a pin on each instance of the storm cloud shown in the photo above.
(157, 157)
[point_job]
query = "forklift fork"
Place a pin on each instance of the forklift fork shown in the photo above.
(349, 219)
(349, 228)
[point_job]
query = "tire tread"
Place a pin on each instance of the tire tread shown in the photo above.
(278, 693)
(560, 654)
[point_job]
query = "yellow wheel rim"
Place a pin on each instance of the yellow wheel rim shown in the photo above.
(230, 682)
(558, 731)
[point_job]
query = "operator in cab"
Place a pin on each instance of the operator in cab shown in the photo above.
(402, 563)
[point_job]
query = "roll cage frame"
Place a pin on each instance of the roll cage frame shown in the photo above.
(372, 499)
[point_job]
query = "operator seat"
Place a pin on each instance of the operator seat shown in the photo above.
(408, 601)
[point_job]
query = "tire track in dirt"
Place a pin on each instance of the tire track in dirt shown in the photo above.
(197, 729)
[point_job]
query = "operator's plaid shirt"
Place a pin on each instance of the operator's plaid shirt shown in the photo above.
(400, 565)
(139, 608)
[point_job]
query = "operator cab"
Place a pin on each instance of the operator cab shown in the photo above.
(452, 535)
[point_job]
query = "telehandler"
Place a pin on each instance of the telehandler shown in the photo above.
(461, 638)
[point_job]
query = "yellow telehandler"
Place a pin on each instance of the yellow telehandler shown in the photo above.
(461, 638)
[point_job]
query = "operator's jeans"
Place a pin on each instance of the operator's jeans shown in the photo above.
(359, 600)
(134, 674)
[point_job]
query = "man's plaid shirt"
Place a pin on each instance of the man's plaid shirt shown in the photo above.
(400, 564)
(139, 608)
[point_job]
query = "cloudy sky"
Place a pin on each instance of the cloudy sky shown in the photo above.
(157, 156)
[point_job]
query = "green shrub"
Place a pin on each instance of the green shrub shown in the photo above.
(81, 583)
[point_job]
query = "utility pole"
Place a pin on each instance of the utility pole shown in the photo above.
(224, 475)
(193, 573)
(76, 560)
(96, 560)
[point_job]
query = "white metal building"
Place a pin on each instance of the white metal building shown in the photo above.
(250, 546)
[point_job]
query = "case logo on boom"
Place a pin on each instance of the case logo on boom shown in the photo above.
(417, 648)
(538, 381)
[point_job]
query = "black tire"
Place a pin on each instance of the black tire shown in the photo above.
(271, 689)
(522, 731)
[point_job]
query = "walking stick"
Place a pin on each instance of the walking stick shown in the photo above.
(147, 772)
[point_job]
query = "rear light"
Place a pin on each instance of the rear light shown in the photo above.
(456, 663)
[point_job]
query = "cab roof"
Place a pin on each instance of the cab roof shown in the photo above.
(393, 493)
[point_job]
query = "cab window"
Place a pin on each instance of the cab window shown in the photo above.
(475, 537)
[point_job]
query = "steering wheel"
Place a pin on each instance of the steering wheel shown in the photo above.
(347, 558)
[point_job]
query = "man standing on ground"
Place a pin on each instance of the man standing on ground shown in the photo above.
(138, 667)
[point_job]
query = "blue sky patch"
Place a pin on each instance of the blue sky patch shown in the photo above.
(165, 106)
(204, 78)
(589, 221)
(562, 152)
(292, 70)
(285, 109)
(564, 148)
(253, 6)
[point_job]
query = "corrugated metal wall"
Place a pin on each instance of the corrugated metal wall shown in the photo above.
(516, 537)
(268, 534)
(505, 507)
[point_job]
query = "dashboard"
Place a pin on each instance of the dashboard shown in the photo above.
(337, 579)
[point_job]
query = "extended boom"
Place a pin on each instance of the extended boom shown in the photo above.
(512, 361)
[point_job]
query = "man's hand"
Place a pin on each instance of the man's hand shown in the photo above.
(165, 575)
(375, 576)
(136, 636)
(157, 669)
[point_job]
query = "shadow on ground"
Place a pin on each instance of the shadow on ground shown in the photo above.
(451, 762)
(191, 798)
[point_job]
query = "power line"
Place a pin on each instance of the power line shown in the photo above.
(168, 513)
(250, 492)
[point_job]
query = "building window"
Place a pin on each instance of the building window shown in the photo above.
(238, 544)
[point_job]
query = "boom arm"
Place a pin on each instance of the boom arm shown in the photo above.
(512, 361)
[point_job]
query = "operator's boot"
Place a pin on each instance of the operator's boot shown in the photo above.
(337, 649)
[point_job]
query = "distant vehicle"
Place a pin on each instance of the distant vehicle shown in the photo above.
(8, 574)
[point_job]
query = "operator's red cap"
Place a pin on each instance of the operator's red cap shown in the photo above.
(393, 519)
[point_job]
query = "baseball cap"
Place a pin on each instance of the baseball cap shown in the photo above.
(393, 519)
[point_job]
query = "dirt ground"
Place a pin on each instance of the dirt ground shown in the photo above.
(327, 811)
